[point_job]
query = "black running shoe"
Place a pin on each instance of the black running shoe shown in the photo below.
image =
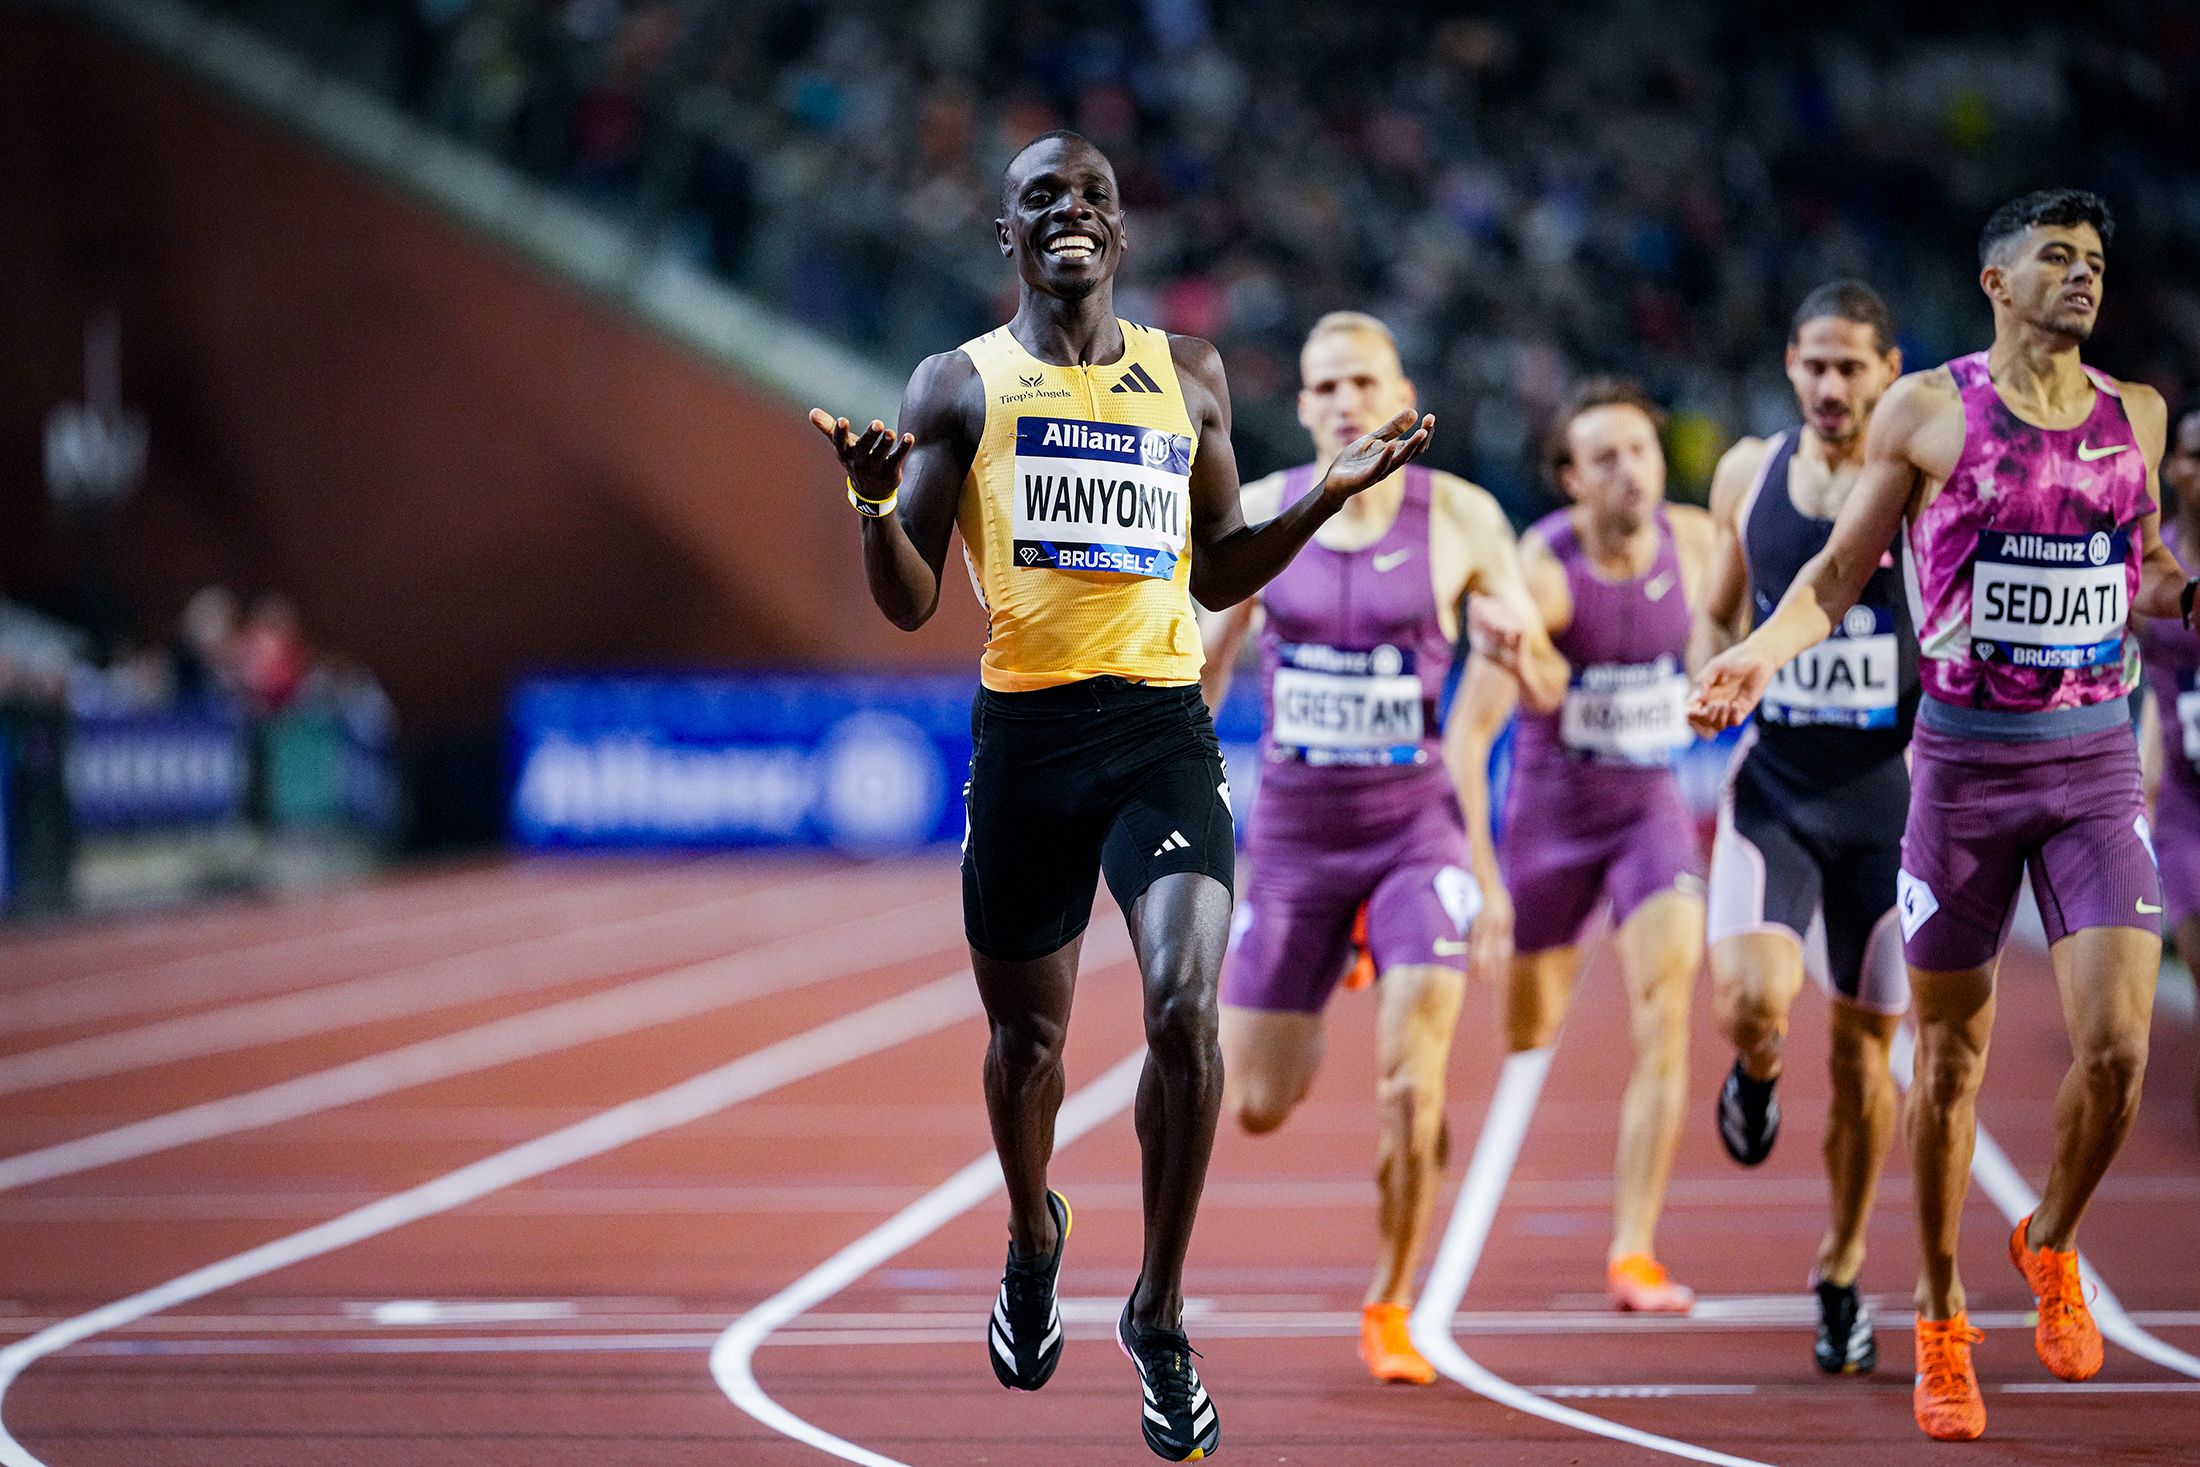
(1025, 1333)
(1178, 1419)
(1844, 1331)
(1749, 1116)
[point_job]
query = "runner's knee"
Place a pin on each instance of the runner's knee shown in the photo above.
(1181, 1023)
(1026, 1044)
(2114, 1065)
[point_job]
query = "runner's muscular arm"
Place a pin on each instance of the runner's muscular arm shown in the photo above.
(1907, 441)
(1223, 633)
(2161, 578)
(1478, 714)
(927, 461)
(1722, 605)
(1230, 559)
(1493, 571)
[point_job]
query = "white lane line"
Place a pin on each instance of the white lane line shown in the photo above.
(882, 1025)
(287, 961)
(525, 966)
(814, 955)
(732, 1358)
(1512, 1107)
(1999, 1178)
(1082, 1318)
(244, 922)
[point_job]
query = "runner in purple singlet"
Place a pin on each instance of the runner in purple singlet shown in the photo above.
(2170, 748)
(1594, 815)
(1356, 814)
(2022, 484)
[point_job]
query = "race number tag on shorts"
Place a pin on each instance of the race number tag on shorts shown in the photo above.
(1849, 680)
(1627, 713)
(2049, 601)
(1100, 497)
(1339, 707)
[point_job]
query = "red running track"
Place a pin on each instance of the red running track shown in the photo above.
(456, 1238)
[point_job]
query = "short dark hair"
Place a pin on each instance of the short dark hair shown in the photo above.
(1846, 300)
(1059, 135)
(1589, 394)
(2055, 206)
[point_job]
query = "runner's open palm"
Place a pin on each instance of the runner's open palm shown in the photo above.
(1728, 690)
(871, 459)
(1375, 456)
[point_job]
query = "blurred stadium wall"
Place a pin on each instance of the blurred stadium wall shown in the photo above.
(463, 466)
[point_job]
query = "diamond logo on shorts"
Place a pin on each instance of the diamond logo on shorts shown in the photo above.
(1916, 902)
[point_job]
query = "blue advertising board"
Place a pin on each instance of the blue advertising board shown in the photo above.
(871, 765)
(137, 771)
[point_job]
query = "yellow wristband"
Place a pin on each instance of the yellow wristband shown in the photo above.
(855, 494)
(872, 509)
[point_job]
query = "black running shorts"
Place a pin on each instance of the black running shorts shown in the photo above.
(1067, 782)
(1794, 844)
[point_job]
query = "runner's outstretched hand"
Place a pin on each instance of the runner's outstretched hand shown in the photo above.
(871, 459)
(1728, 689)
(1374, 457)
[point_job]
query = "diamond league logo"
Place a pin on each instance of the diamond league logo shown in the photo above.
(1029, 555)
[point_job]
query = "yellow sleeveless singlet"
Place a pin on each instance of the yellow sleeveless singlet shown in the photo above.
(1076, 517)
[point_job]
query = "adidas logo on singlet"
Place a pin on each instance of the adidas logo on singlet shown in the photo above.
(1135, 380)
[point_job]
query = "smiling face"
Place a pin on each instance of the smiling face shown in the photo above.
(1616, 467)
(1838, 372)
(1352, 384)
(2049, 278)
(1061, 220)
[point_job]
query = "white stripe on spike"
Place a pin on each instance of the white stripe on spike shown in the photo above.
(1001, 1348)
(1052, 1335)
(1206, 1419)
(1157, 1418)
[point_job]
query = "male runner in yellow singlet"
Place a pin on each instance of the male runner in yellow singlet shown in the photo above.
(1087, 462)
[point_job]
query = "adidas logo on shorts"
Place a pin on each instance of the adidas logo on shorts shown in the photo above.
(1175, 842)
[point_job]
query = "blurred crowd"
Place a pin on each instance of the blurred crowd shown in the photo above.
(1526, 194)
(222, 659)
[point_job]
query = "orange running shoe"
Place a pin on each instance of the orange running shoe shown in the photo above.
(1638, 1283)
(1387, 1347)
(1362, 972)
(1946, 1397)
(2068, 1341)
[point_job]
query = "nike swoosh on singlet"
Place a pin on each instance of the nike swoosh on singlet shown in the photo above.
(1446, 948)
(2148, 908)
(1392, 561)
(2087, 452)
(1656, 587)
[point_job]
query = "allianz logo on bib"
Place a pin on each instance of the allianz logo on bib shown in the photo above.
(2050, 601)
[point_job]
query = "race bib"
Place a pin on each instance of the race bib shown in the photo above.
(2049, 601)
(1332, 706)
(1627, 713)
(1850, 680)
(1100, 497)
